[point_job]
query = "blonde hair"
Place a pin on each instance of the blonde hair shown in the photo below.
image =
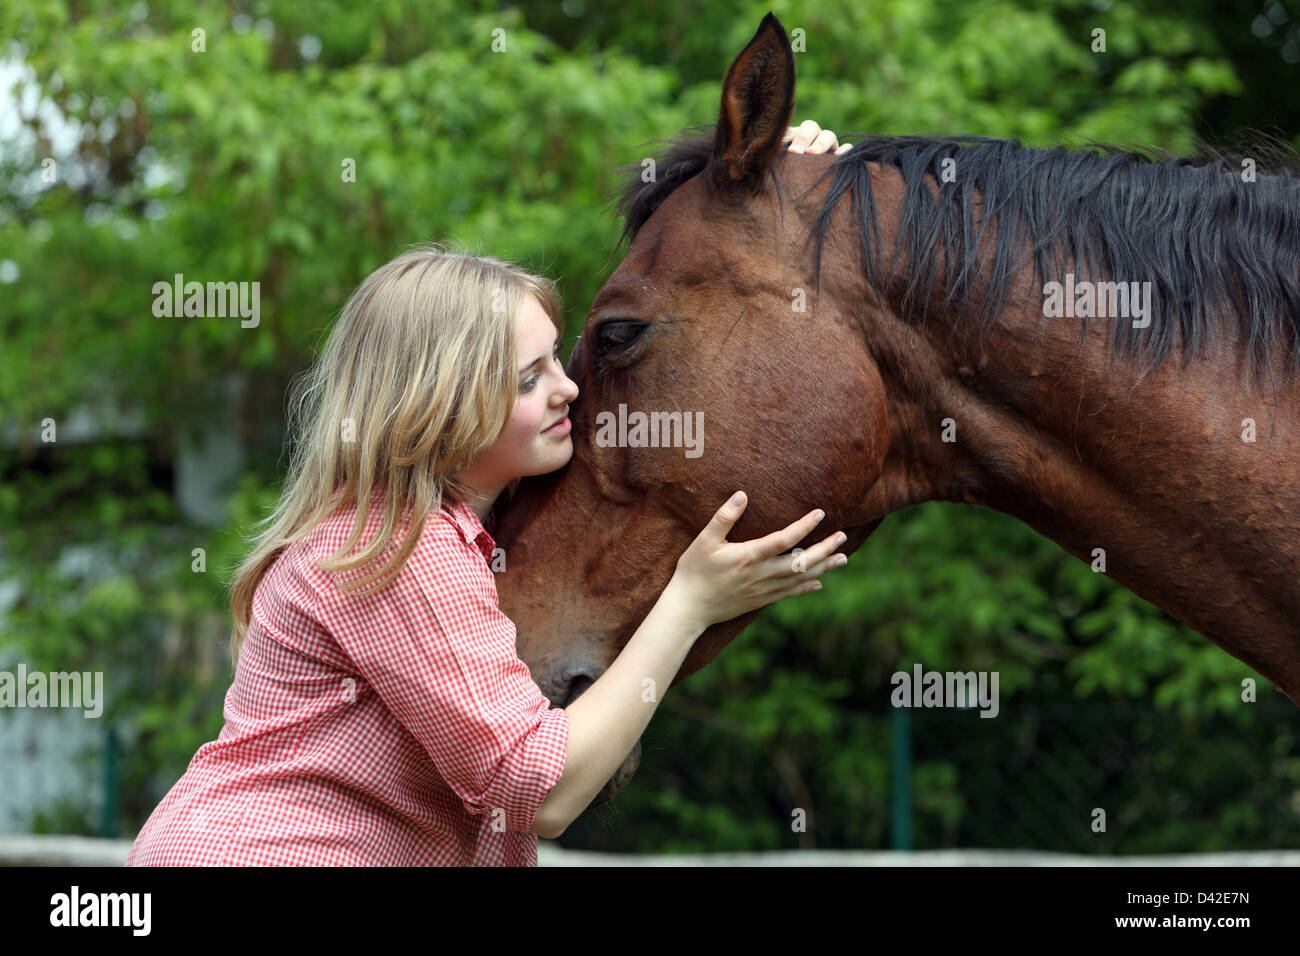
(417, 377)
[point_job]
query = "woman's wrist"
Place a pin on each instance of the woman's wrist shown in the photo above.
(682, 610)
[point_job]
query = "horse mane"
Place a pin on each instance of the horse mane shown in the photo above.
(1101, 210)
(683, 157)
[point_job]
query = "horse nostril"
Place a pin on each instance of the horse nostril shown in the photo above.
(577, 687)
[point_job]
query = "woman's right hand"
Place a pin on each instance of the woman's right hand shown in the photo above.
(717, 579)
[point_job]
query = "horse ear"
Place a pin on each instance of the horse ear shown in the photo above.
(757, 102)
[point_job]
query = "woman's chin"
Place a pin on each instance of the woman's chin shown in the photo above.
(566, 453)
(558, 457)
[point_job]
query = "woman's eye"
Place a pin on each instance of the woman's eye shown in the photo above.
(531, 381)
(615, 337)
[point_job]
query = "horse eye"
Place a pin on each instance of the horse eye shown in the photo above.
(614, 337)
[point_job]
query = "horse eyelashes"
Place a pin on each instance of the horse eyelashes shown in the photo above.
(615, 336)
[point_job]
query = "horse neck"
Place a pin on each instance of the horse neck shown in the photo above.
(1146, 474)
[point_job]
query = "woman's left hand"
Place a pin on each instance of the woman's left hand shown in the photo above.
(808, 137)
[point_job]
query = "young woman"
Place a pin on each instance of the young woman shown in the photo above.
(379, 712)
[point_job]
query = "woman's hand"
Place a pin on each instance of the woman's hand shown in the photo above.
(717, 579)
(808, 137)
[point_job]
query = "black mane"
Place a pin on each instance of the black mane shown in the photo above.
(1205, 239)
(686, 156)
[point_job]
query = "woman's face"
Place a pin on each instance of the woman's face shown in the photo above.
(525, 446)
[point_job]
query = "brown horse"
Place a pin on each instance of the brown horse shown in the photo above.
(1102, 345)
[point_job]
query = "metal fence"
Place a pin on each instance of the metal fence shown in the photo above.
(1028, 780)
(1100, 779)
(59, 773)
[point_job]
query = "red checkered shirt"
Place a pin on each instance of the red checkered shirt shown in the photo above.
(398, 729)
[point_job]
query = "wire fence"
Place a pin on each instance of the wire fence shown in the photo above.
(59, 772)
(1078, 779)
(1101, 778)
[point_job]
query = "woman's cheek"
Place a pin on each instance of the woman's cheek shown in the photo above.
(527, 422)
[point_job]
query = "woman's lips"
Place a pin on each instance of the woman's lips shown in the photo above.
(559, 428)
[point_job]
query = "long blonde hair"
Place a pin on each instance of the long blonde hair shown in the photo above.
(418, 376)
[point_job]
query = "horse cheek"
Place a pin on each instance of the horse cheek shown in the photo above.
(849, 440)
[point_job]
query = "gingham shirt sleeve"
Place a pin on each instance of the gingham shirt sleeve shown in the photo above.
(440, 653)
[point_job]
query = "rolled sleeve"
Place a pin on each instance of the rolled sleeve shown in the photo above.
(440, 654)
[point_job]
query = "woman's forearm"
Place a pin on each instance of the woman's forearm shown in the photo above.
(608, 719)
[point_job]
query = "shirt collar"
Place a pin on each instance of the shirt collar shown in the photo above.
(462, 518)
(470, 528)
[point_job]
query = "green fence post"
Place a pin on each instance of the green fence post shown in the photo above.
(108, 825)
(900, 735)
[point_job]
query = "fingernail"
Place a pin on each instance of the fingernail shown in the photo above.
(818, 515)
(737, 498)
(841, 538)
(839, 561)
(817, 586)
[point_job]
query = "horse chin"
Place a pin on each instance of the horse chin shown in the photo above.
(622, 776)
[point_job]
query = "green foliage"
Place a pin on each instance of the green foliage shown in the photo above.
(1139, 717)
(65, 816)
(227, 164)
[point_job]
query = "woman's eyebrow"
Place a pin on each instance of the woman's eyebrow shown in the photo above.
(525, 368)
